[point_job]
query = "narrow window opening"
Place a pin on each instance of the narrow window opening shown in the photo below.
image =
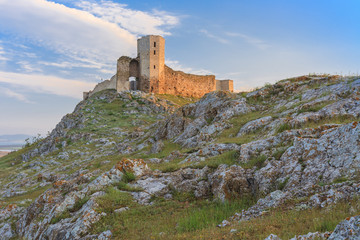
(154, 67)
(154, 52)
(154, 44)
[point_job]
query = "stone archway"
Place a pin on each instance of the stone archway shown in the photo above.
(134, 74)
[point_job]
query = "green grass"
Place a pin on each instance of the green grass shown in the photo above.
(128, 177)
(63, 215)
(182, 196)
(278, 153)
(344, 119)
(79, 203)
(283, 127)
(282, 221)
(210, 214)
(246, 138)
(171, 218)
(168, 148)
(31, 194)
(287, 224)
(237, 122)
(170, 166)
(114, 199)
(126, 187)
(340, 180)
(283, 184)
(229, 158)
(9, 164)
(314, 108)
(256, 161)
(110, 115)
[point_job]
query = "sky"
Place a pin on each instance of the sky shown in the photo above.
(52, 51)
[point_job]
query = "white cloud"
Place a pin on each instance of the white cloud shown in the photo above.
(217, 38)
(28, 67)
(258, 43)
(174, 64)
(13, 94)
(72, 32)
(2, 54)
(92, 36)
(136, 22)
(47, 84)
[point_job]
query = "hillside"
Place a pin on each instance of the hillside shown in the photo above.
(281, 160)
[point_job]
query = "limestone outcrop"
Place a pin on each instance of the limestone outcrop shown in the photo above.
(292, 146)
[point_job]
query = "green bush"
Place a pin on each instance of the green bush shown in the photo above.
(128, 177)
(283, 184)
(229, 158)
(126, 187)
(63, 215)
(283, 127)
(340, 180)
(255, 161)
(79, 203)
(278, 153)
(114, 199)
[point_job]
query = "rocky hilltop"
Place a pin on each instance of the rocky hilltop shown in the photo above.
(281, 162)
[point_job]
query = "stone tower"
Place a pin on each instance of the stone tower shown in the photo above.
(151, 55)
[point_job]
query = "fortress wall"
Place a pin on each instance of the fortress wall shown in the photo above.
(187, 85)
(225, 85)
(123, 73)
(107, 84)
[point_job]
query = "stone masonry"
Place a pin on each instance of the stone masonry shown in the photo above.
(148, 73)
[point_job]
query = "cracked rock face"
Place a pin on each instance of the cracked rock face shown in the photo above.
(347, 229)
(195, 124)
(53, 203)
(6, 232)
(312, 158)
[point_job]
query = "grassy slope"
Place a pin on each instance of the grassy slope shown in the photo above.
(184, 217)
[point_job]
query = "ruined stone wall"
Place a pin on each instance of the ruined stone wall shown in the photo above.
(187, 85)
(107, 84)
(123, 73)
(225, 85)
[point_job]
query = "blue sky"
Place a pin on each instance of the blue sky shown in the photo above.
(52, 51)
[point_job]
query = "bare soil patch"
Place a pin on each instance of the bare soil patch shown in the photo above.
(2, 153)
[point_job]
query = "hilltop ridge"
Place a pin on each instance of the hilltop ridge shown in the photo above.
(283, 159)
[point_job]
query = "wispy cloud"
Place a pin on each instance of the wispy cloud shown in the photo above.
(92, 35)
(28, 67)
(47, 84)
(2, 54)
(176, 65)
(136, 22)
(213, 36)
(12, 94)
(258, 43)
(72, 33)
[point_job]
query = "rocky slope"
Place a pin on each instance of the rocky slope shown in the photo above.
(282, 160)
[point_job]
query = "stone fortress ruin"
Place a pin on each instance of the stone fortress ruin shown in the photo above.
(148, 73)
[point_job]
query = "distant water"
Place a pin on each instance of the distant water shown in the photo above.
(10, 148)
